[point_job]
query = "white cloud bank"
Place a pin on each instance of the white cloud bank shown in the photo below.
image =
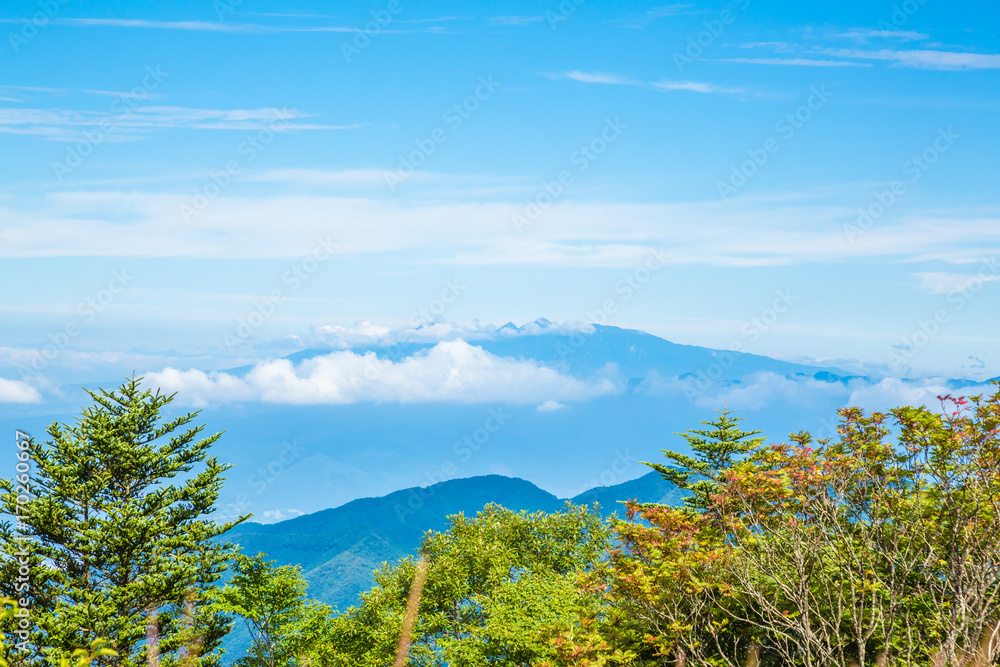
(764, 390)
(15, 391)
(360, 333)
(452, 371)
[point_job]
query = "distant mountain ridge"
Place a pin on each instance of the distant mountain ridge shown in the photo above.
(635, 353)
(339, 548)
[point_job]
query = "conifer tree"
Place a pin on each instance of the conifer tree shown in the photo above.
(115, 533)
(714, 450)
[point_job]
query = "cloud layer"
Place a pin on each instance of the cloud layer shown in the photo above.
(738, 232)
(761, 391)
(452, 371)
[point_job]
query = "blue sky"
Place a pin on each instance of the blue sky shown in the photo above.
(173, 169)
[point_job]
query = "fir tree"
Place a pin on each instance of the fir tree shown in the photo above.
(116, 535)
(714, 450)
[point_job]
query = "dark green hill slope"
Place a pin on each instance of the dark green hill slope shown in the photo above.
(339, 548)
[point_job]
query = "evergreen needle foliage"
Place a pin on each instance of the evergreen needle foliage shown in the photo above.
(118, 534)
(715, 450)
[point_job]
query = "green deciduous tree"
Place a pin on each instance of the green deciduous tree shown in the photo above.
(286, 628)
(117, 531)
(880, 547)
(502, 589)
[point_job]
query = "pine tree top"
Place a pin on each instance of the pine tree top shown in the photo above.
(714, 449)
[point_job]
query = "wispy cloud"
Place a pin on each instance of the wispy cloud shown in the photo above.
(641, 21)
(596, 77)
(97, 363)
(433, 19)
(322, 177)
(923, 59)
(698, 87)
(667, 10)
(777, 47)
(514, 20)
(867, 34)
(479, 231)
(796, 62)
(937, 282)
(204, 26)
(817, 56)
(291, 15)
(69, 91)
(663, 86)
(67, 125)
(428, 185)
(198, 26)
(312, 15)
